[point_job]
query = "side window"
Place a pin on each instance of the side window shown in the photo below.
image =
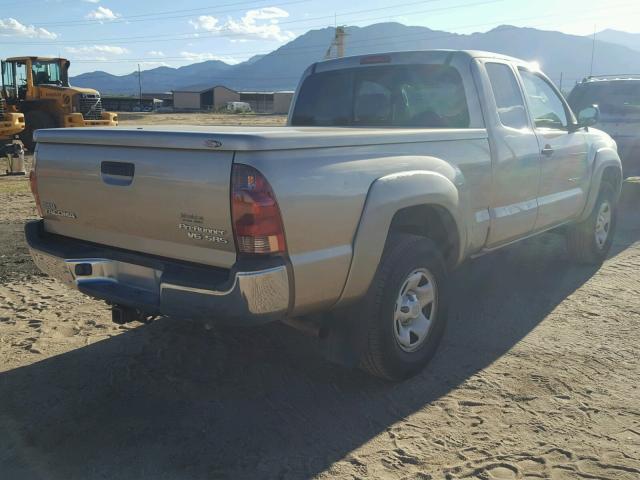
(508, 96)
(45, 73)
(21, 78)
(21, 74)
(8, 74)
(545, 104)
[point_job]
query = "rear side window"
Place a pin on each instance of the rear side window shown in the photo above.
(508, 96)
(617, 96)
(428, 96)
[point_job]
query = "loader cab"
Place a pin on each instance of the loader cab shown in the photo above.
(23, 77)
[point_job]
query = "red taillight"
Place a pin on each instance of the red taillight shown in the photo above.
(257, 223)
(33, 184)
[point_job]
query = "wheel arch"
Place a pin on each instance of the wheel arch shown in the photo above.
(397, 203)
(606, 168)
(431, 221)
(46, 106)
(612, 176)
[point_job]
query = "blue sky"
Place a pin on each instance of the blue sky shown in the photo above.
(116, 35)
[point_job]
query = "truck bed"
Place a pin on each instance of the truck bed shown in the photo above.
(166, 190)
(249, 138)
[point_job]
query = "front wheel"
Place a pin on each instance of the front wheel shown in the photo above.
(35, 120)
(589, 241)
(403, 316)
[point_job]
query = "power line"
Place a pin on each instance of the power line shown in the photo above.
(139, 17)
(192, 37)
(127, 17)
(224, 34)
(291, 50)
(26, 2)
(282, 22)
(413, 37)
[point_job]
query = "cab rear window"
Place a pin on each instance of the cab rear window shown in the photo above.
(427, 96)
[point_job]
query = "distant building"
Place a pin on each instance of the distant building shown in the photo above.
(216, 98)
(165, 97)
(268, 102)
(212, 98)
(150, 102)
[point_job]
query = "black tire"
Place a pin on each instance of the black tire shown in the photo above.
(35, 120)
(582, 245)
(383, 356)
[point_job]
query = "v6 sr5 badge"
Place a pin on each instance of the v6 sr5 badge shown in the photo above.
(207, 234)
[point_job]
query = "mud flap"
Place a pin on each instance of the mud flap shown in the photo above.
(344, 343)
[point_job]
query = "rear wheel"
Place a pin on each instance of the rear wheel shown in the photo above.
(404, 313)
(589, 241)
(35, 120)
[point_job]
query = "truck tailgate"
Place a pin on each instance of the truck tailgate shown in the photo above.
(168, 202)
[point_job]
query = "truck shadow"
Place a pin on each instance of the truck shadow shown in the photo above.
(173, 400)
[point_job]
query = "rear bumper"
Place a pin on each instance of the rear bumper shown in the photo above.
(249, 294)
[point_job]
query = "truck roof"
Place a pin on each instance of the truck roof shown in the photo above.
(33, 58)
(616, 77)
(430, 56)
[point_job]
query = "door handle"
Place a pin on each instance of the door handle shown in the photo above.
(547, 150)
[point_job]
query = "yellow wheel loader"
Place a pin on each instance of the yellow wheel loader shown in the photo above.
(39, 88)
(11, 124)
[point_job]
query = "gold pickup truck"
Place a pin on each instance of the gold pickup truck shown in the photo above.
(392, 171)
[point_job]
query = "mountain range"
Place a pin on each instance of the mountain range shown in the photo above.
(631, 40)
(565, 58)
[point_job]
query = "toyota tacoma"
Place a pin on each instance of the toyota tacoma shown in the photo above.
(393, 170)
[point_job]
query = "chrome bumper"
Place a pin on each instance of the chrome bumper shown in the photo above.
(244, 297)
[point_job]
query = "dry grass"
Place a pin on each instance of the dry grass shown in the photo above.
(143, 118)
(14, 185)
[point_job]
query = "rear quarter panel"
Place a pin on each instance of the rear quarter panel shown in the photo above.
(322, 194)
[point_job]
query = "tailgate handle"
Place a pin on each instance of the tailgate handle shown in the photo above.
(118, 168)
(117, 173)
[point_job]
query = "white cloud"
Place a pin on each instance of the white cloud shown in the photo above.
(201, 57)
(249, 26)
(155, 53)
(10, 27)
(206, 23)
(91, 1)
(267, 13)
(102, 13)
(102, 51)
(154, 64)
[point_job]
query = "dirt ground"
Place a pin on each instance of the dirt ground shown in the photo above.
(537, 377)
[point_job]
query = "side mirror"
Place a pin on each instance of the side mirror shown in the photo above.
(589, 116)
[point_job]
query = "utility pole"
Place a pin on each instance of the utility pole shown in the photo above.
(560, 86)
(338, 43)
(139, 87)
(340, 34)
(593, 50)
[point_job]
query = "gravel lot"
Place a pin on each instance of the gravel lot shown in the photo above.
(537, 377)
